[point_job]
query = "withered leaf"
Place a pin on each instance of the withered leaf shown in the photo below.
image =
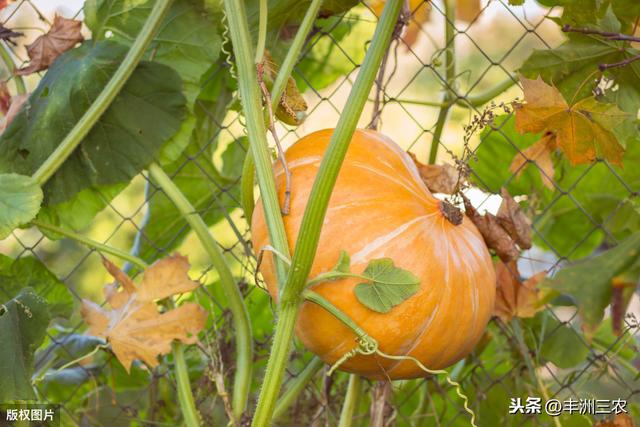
(63, 35)
(582, 130)
(292, 107)
(514, 221)
(619, 420)
(134, 327)
(540, 154)
(494, 235)
(438, 178)
(515, 298)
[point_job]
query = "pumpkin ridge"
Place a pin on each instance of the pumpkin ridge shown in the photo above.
(360, 256)
(403, 183)
(444, 296)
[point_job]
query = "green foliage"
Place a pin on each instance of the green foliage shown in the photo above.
(573, 66)
(188, 40)
(23, 324)
(588, 282)
(563, 346)
(332, 53)
(20, 199)
(596, 196)
(388, 285)
(141, 119)
(165, 227)
(16, 274)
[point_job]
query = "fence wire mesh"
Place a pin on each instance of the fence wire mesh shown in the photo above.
(404, 105)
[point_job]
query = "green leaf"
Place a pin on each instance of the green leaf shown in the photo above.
(30, 272)
(563, 347)
(388, 287)
(20, 199)
(78, 212)
(344, 263)
(334, 52)
(23, 324)
(128, 136)
(573, 66)
(188, 39)
(588, 282)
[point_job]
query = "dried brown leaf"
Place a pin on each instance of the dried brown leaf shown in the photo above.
(63, 35)
(494, 235)
(134, 327)
(515, 298)
(620, 420)
(540, 154)
(514, 221)
(438, 178)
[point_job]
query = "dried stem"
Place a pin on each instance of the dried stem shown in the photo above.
(607, 35)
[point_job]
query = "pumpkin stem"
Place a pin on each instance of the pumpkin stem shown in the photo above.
(451, 212)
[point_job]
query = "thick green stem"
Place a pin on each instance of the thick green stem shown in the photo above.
(248, 169)
(449, 77)
(297, 386)
(185, 396)
(351, 401)
(5, 56)
(241, 323)
(108, 94)
(262, 30)
(251, 97)
(309, 234)
(100, 247)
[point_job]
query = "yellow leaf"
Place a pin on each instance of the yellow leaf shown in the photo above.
(583, 130)
(134, 327)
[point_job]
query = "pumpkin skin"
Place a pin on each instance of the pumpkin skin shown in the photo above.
(380, 208)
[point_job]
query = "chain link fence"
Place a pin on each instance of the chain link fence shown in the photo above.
(405, 105)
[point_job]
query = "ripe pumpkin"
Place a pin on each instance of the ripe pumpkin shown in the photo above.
(380, 208)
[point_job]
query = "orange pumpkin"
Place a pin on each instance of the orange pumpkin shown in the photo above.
(380, 208)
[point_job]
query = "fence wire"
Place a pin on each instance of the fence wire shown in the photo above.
(404, 105)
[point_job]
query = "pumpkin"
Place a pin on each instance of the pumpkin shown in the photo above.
(380, 208)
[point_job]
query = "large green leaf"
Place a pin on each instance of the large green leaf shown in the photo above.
(588, 282)
(23, 324)
(388, 285)
(146, 113)
(20, 199)
(188, 39)
(29, 272)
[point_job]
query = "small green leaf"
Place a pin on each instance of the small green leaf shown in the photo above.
(588, 282)
(23, 324)
(344, 263)
(389, 285)
(20, 199)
